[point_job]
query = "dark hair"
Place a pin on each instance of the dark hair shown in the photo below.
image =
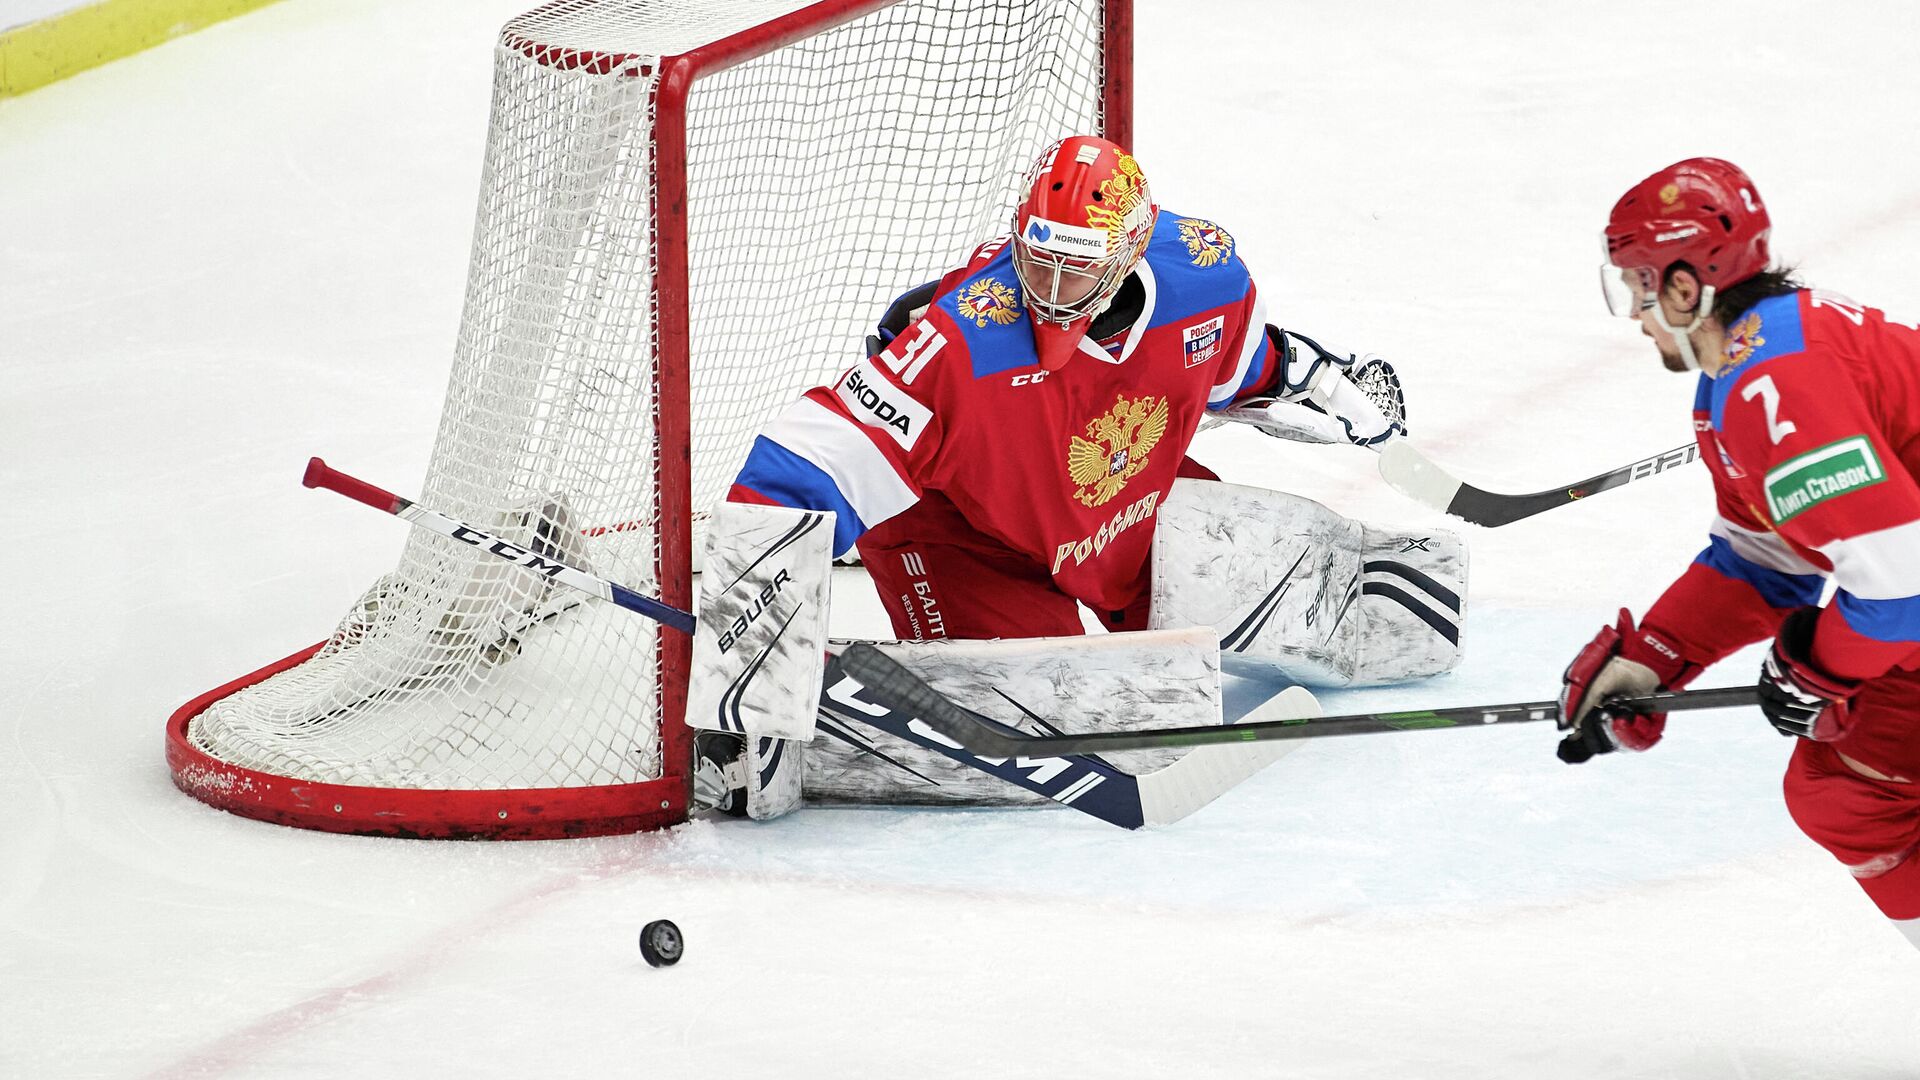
(1728, 305)
(1729, 302)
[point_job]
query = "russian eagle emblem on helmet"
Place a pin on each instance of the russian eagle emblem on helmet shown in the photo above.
(1121, 207)
(987, 300)
(1207, 243)
(1116, 448)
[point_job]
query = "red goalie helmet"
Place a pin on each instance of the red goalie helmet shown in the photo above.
(1081, 229)
(1702, 211)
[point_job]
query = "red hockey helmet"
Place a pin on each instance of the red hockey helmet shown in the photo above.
(1078, 233)
(1701, 211)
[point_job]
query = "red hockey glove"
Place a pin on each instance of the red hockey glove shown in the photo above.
(1798, 697)
(1620, 661)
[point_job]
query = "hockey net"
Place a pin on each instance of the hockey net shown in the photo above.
(690, 212)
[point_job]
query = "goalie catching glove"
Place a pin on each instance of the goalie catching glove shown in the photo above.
(1326, 398)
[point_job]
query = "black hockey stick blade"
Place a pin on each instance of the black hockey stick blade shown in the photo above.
(888, 679)
(1414, 475)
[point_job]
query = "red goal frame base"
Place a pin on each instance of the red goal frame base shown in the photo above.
(422, 814)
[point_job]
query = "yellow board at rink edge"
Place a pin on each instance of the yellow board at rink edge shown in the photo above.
(47, 51)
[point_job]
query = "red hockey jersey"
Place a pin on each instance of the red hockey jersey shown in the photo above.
(1067, 467)
(1813, 436)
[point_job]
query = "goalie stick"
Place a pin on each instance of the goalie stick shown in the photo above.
(892, 681)
(1414, 475)
(1085, 783)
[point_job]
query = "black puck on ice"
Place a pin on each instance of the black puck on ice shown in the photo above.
(661, 943)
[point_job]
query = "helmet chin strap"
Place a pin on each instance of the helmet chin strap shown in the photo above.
(1683, 335)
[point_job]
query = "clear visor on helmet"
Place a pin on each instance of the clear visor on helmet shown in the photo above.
(1062, 289)
(1629, 289)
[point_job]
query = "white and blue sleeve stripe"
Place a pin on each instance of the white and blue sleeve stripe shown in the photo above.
(1879, 581)
(812, 457)
(788, 479)
(1249, 365)
(1782, 578)
(1892, 620)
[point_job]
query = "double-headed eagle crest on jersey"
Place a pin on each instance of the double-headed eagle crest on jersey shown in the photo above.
(1116, 448)
(1207, 243)
(987, 300)
(1744, 338)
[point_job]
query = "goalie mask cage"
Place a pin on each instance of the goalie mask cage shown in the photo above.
(691, 211)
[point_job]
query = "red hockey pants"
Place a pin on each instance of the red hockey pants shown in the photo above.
(939, 577)
(1872, 826)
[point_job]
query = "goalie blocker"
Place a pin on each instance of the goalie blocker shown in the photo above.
(756, 671)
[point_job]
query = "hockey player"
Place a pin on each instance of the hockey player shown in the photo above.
(1005, 456)
(1808, 415)
(1000, 460)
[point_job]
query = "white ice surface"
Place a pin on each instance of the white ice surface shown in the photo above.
(248, 246)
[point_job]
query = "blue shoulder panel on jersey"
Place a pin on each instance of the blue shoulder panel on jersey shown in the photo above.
(992, 317)
(1195, 268)
(1768, 330)
(1780, 590)
(1882, 620)
(791, 480)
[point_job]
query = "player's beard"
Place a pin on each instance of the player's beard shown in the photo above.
(1669, 351)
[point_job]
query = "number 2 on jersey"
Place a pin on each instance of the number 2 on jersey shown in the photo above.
(1769, 396)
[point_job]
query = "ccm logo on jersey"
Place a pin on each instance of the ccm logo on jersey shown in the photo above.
(1081, 550)
(876, 402)
(1203, 340)
(758, 604)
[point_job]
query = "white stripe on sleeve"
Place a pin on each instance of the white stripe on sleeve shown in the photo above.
(1256, 333)
(865, 477)
(1762, 548)
(1882, 565)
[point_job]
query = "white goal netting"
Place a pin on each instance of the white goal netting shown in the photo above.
(822, 179)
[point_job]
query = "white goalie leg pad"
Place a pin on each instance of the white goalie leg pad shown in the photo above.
(1321, 598)
(762, 621)
(775, 772)
(1100, 682)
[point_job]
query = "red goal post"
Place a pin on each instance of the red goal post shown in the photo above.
(691, 211)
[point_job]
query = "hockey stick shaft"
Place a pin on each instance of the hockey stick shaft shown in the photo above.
(890, 679)
(321, 475)
(1414, 475)
(1084, 783)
